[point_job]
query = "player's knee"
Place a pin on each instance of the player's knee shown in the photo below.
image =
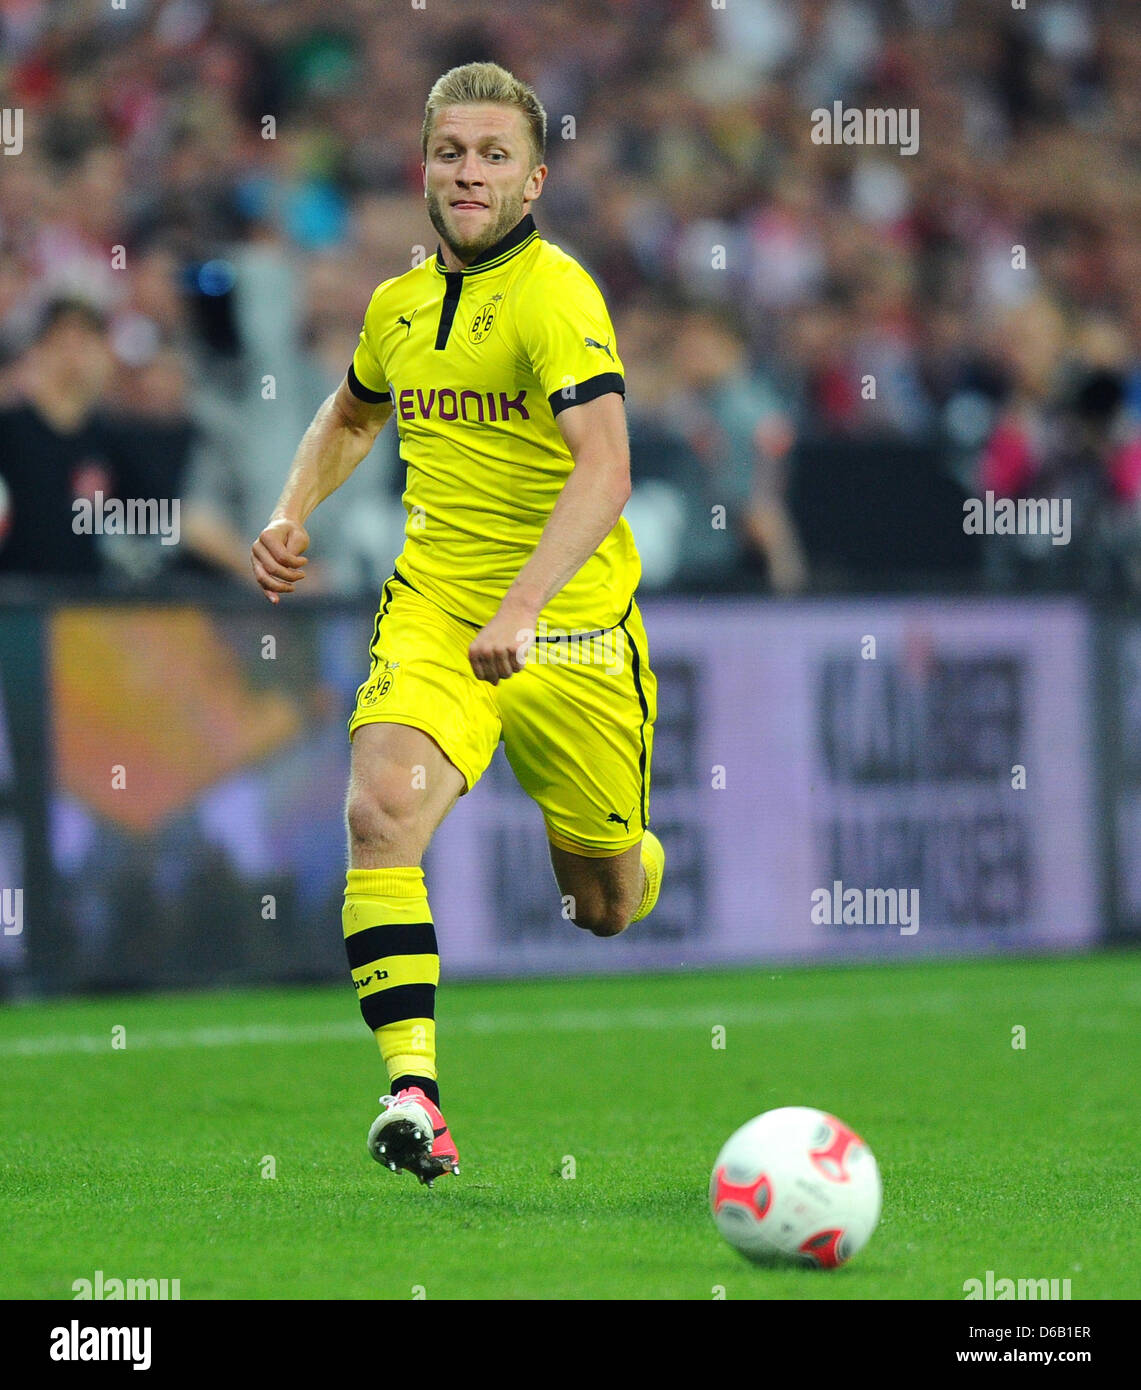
(379, 823)
(603, 919)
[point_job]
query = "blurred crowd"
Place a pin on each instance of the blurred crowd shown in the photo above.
(207, 191)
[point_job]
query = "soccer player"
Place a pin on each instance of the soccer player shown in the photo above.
(510, 614)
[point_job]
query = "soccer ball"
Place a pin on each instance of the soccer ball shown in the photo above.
(798, 1185)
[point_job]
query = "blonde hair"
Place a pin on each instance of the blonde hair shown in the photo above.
(486, 82)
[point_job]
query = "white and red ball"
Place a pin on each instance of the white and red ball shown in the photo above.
(798, 1185)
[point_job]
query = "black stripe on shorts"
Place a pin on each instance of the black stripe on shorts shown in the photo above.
(636, 668)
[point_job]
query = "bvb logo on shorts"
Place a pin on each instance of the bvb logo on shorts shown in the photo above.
(377, 691)
(481, 325)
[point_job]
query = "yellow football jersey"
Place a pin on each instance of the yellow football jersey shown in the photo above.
(478, 363)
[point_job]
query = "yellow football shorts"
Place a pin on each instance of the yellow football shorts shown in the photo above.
(576, 723)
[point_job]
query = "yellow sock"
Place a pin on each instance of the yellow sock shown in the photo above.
(654, 864)
(391, 945)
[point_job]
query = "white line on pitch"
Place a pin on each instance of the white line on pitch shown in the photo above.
(816, 1010)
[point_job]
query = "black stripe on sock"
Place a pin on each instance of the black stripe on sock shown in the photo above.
(398, 1003)
(399, 939)
(430, 1088)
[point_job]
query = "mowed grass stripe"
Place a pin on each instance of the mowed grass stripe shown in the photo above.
(819, 1010)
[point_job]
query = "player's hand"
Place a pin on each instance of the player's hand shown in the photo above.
(500, 649)
(278, 557)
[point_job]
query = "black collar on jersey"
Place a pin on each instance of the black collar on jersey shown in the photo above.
(506, 247)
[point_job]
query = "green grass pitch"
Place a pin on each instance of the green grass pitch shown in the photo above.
(148, 1160)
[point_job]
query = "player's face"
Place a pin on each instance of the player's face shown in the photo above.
(479, 178)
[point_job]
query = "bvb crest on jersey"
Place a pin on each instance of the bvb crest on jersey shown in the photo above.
(378, 690)
(482, 323)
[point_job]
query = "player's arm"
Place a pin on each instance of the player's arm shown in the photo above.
(341, 435)
(586, 512)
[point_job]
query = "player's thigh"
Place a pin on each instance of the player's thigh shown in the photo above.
(601, 889)
(423, 730)
(579, 737)
(401, 786)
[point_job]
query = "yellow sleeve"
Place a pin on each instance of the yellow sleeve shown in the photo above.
(367, 378)
(567, 336)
